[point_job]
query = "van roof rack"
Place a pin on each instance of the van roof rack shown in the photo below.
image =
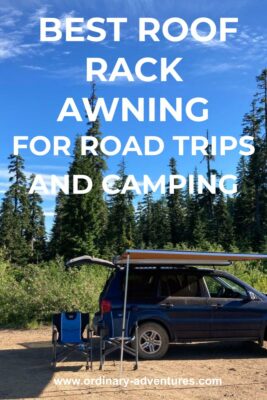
(167, 257)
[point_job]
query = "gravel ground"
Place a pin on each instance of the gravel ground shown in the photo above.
(25, 372)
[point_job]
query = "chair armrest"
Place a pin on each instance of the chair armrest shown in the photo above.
(54, 334)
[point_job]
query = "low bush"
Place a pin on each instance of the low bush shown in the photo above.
(29, 295)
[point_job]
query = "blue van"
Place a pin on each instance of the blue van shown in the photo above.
(176, 302)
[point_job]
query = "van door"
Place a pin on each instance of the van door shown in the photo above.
(184, 300)
(234, 315)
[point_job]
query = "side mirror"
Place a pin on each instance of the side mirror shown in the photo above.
(252, 296)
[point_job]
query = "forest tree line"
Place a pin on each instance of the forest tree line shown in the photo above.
(105, 226)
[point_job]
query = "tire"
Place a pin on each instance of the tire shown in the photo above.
(153, 341)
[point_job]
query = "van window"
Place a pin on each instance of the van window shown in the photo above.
(222, 287)
(178, 284)
(142, 284)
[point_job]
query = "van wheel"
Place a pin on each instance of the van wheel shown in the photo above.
(153, 341)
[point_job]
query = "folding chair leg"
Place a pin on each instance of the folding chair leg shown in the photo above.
(136, 346)
(54, 355)
(102, 350)
(91, 350)
(87, 357)
(54, 350)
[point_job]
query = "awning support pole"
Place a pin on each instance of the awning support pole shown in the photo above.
(124, 311)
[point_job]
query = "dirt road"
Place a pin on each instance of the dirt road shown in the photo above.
(193, 371)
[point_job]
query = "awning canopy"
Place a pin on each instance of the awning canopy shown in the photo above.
(166, 257)
(88, 260)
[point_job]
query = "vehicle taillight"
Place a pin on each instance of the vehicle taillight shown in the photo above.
(105, 306)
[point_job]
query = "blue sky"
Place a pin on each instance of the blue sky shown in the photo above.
(35, 78)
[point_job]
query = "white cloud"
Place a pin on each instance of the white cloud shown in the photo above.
(45, 167)
(223, 67)
(15, 27)
(9, 47)
(34, 67)
(77, 75)
(34, 18)
(73, 73)
(4, 173)
(4, 185)
(49, 213)
(9, 17)
(12, 46)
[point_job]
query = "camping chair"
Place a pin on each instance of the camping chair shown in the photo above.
(110, 344)
(67, 332)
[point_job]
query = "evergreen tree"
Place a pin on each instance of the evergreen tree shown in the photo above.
(194, 225)
(83, 217)
(145, 227)
(254, 194)
(261, 97)
(153, 226)
(243, 205)
(6, 226)
(56, 241)
(176, 214)
(224, 226)
(15, 214)
(36, 235)
(207, 199)
(139, 225)
(251, 122)
(160, 223)
(121, 218)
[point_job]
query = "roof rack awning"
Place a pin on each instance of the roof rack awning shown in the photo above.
(74, 262)
(163, 257)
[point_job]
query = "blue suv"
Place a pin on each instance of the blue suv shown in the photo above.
(174, 304)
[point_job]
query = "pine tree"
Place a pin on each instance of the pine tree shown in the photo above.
(251, 122)
(6, 226)
(56, 241)
(160, 223)
(243, 205)
(194, 225)
(176, 212)
(36, 235)
(207, 199)
(145, 226)
(121, 218)
(139, 225)
(261, 98)
(255, 125)
(153, 225)
(15, 214)
(83, 217)
(224, 226)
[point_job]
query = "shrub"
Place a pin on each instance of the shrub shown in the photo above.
(31, 294)
(34, 292)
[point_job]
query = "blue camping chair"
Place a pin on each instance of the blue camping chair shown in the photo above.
(67, 332)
